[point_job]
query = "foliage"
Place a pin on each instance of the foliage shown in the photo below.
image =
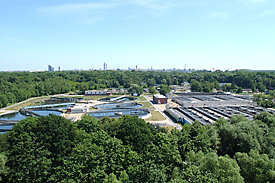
(264, 100)
(152, 90)
(3, 168)
(240, 137)
(134, 88)
(164, 89)
(127, 149)
(134, 132)
(200, 167)
(256, 167)
(38, 146)
(193, 138)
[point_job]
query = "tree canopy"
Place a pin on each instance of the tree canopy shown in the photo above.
(127, 149)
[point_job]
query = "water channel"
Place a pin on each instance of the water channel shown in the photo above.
(119, 113)
(118, 99)
(131, 105)
(17, 116)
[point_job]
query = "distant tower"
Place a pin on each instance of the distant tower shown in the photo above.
(136, 67)
(185, 67)
(50, 68)
(59, 68)
(104, 66)
(151, 68)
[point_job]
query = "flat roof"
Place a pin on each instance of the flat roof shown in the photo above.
(159, 96)
(96, 90)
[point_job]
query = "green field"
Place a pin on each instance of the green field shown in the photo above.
(141, 98)
(147, 105)
(156, 116)
(28, 103)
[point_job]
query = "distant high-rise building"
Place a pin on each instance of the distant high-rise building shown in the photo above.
(59, 68)
(136, 67)
(104, 66)
(50, 68)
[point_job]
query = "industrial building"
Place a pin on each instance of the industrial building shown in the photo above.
(208, 107)
(185, 87)
(97, 92)
(208, 115)
(211, 99)
(107, 91)
(159, 99)
(78, 109)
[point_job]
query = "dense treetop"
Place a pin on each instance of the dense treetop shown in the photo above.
(127, 149)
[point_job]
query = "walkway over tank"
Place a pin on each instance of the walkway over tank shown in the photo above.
(49, 105)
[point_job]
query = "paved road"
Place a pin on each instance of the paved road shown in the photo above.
(167, 121)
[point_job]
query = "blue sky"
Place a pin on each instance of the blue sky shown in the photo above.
(124, 33)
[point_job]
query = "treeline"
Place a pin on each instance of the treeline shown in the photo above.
(52, 149)
(18, 86)
(263, 100)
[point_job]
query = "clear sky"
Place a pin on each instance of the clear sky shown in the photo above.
(83, 34)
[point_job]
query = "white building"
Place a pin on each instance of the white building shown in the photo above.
(78, 109)
(97, 92)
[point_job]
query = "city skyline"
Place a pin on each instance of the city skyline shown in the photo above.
(50, 68)
(163, 34)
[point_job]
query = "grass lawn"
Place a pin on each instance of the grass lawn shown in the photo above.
(156, 116)
(147, 105)
(28, 103)
(148, 93)
(141, 98)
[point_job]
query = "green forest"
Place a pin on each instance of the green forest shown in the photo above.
(19, 86)
(127, 149)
